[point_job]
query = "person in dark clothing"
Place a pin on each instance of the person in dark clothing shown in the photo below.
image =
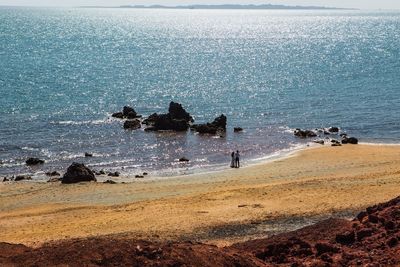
(237, 159)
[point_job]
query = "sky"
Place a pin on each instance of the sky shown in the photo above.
(362, 4)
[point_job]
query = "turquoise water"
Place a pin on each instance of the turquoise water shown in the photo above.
(64, 71)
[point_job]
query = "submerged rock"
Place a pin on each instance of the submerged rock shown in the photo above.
(76, 173)
(183, 159)
(88, 155)
(132, 124)
(34, 161)
(237, 129)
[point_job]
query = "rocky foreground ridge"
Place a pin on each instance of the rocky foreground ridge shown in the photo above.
(371, 239)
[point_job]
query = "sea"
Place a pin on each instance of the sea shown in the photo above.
(64, 71)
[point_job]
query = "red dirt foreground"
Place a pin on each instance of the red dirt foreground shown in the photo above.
(372, 239)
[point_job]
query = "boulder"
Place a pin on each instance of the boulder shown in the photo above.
(333, 129)
(145, 173)
(88, 155)
(237, 129)
(128, 111)
(177, 112)
(22, 178)
(76, 173)
(34, 161)
(118, 115)
(139, 176)
(349, 140)
(5, 179)
(132, 124)
(183, 159)
(304, 133)
(114, 174)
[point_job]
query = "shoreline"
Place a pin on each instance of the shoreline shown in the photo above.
(215, 208)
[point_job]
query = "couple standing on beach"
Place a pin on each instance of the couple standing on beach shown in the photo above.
(235, 162)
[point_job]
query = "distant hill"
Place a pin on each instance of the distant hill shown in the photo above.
(231, 6)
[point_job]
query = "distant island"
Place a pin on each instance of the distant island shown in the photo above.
(227, 6)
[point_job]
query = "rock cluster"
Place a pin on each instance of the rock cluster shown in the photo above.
(177, 119)
(218, 125)
(127, 113)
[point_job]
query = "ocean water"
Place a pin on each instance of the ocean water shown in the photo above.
(64, 71)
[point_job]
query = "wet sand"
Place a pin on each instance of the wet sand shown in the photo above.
(219, 207)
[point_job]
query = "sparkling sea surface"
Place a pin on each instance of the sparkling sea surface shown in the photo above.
(64, 71)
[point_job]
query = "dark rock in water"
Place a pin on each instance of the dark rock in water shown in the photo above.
(53, 173)
(183, 159)
(336, 144)
(88, 155)
(218, 125)
(109, 182)
(238, 129)
(34, 161)
(151, 119)
(145, 173)
(54, 180)
(304, 133)
(1, 162)
(177, 112)
(139, 176)
(333, 129)
(5, 179)
(22, 178)
(102, 172)
(128, 111)
(132, 124)
(220, 122)
(76, 173)
(350, 140)
(177, 119)
(114, 174)
(165, 122)
(326, 133)
(118, 115)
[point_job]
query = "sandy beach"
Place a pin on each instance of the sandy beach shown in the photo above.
(218, 208)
